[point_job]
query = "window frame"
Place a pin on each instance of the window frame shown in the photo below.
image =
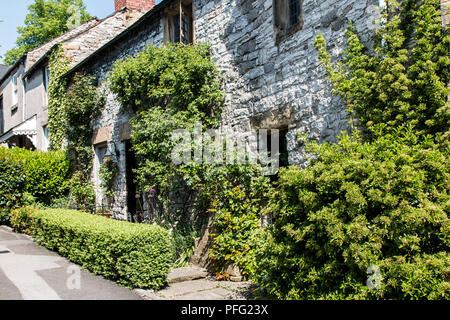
(15, 90)
(175, 24)
(285, 28)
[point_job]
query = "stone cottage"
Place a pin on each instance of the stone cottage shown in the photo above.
(265, 51)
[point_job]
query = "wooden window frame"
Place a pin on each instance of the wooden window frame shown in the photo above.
(179, 24)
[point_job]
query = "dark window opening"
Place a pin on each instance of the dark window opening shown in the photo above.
(287, 18)
(1, 115)
(179, 25)
(131, 164)
(282, 152)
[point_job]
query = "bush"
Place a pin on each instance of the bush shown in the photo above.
(41, 174)
(358, 205)
(238, 207)
(134, 255)
(12, 183)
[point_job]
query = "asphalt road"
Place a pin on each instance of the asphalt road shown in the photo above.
(31, 272)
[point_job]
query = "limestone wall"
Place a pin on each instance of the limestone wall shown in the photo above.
(268, 85)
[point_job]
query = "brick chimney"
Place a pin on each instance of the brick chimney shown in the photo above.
(143, 5)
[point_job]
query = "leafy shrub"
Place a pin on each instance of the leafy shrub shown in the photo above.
(12, 183)
(135, 255)
(107, 173)
(403, 80)
(41, 174)
(238, 205)
(81, 191)
(21, 219)
(383, 204)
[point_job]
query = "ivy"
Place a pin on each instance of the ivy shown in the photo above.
(180, 86)
(57, 90)
(403, 80)
(73, 105)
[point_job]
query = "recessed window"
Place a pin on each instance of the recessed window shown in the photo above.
(46, 75)
(46, 140)
(1, 114)
(287, 18)
(178, 23)
(15, 90)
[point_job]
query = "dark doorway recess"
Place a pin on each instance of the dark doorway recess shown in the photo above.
(131, 163)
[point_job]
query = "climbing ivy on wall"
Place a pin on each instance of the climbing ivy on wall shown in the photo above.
(73, 104)
(403, 80)
(178, 85)
(57, 90)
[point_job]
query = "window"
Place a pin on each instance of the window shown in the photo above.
(15, 91)
(272, 145)
(46, 79)
(287, 18)
(178, 24)
(46, 140)
(1, 115)
(24, 95)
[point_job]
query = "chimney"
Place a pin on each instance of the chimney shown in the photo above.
(143, 5)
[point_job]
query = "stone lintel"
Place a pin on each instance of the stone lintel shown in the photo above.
(101, 135)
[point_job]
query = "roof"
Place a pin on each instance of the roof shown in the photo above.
(82, 41)
(12, 68)
(146, 17)
(36, 54)
(3, 70)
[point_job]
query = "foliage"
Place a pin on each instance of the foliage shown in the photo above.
(57, 88)
(22, 219)
(107, 173)
(40, 175)
(135, 255)
(73, 105)
(82, 192)
(12, 180)
(404, 80)
(179, 85)
(383, 203)
(175, 77)
(238, 207)
(82, 104)
(46, 20)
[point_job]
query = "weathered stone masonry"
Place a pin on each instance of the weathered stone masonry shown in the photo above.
(267, 85)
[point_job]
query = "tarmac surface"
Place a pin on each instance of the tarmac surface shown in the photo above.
(31, 272)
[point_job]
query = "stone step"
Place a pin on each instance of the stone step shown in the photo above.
(186, 274)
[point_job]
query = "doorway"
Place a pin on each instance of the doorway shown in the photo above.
(131, 163)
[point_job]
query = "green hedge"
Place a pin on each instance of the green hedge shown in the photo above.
(12, 185)
(134, 255)
(41, 174)
(358, 205)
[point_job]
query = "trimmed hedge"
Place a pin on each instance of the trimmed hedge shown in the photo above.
(41, 174)
(134, 255)
(12, 185)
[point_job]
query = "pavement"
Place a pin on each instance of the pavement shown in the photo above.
(194, 283)
(31, 272)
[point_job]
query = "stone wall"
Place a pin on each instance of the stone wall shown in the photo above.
(146, 34)
(277, 86)
(267, 85)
